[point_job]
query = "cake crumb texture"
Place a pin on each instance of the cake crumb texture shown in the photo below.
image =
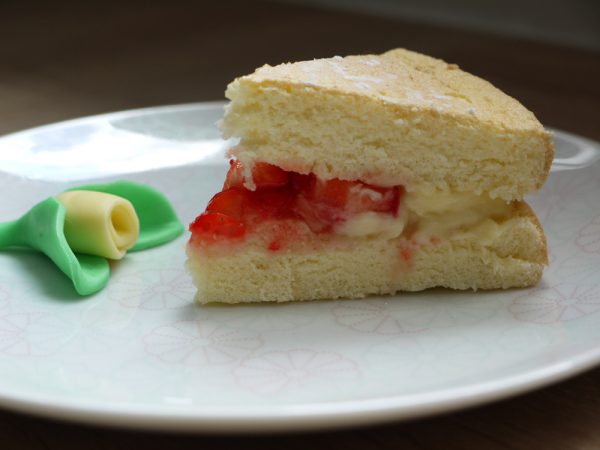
(514, 257)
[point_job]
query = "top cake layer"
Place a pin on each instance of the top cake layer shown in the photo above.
(400, 118)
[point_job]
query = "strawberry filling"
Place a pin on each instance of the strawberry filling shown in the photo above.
(281, 195)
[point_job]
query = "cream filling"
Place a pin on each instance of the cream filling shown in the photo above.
(440, 215)
(486, 232)
(369, 224)
(247, 161)
(437, 216)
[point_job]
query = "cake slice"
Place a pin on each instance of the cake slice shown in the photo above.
(370, 175)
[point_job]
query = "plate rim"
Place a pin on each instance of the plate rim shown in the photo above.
(194, 105)
(285, 417)
(112, 115)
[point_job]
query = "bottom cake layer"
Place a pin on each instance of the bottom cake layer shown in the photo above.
(492, 255)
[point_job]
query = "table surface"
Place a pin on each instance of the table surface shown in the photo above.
(60, 60)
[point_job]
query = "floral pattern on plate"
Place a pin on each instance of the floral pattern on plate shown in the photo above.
(33, 334)
(557, 304)
(588, 238)
(153, 289)
(296, 369)
(4, 297)
(200, 343)
(412, 314)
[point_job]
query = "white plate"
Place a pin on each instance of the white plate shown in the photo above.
(140, 354)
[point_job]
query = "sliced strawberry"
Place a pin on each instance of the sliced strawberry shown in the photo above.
(267, 175)
(330, 192)
(321, 203)
(303, 183)
(318, 216)
(333, 192)
(264, 175)
(230, 202)
(278, 194)
(214, 225)
(272, 203)
(235, 175)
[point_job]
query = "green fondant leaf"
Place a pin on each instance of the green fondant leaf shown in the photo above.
(42, 229)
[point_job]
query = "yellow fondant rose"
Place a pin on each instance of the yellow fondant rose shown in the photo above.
(99, 224)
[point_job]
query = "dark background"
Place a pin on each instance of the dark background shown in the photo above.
(64, 59)
(70, 58)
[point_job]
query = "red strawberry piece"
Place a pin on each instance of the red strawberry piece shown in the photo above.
(267, 175)
(231, 202)
(318, 216)
(214, 225)
(333, 192)
(303, 183)
(272, 203)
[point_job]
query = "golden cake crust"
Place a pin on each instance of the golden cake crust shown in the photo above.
(405, 78)
(396, 118)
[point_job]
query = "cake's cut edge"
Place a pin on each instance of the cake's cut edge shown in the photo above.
(503, 256)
